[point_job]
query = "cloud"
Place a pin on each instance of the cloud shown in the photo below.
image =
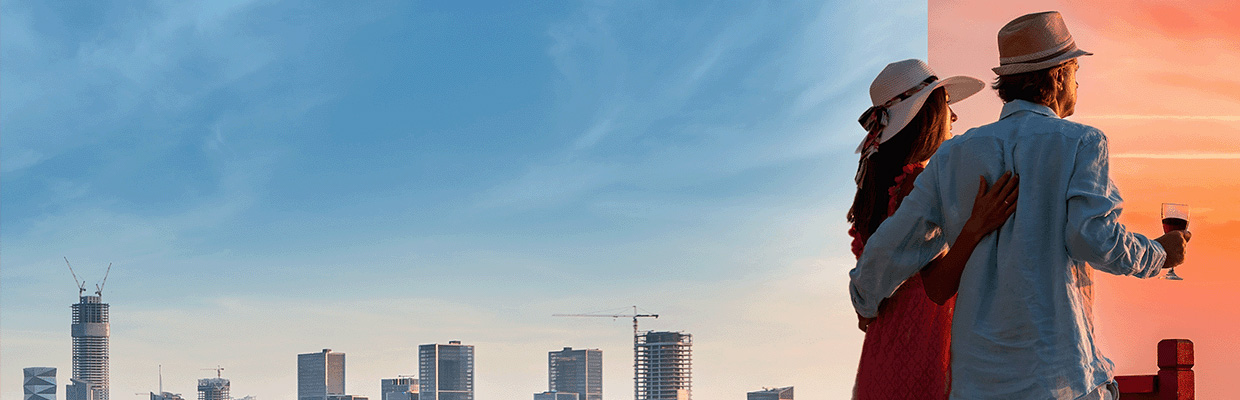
(678, 113)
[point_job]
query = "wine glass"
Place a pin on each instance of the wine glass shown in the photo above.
(1174, 218)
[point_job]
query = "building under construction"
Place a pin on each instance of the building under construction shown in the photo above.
(664, 366)
(90, 331)
(213, 389)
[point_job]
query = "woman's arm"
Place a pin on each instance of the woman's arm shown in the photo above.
(991, 209)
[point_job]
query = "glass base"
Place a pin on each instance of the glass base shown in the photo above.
(1171, 276)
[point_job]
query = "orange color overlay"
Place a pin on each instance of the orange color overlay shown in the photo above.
(1164, 85)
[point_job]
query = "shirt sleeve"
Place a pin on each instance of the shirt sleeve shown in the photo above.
(903, 244)
(1094, 234)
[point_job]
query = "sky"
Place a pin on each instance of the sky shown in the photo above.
(1161, 86)
(270, 178)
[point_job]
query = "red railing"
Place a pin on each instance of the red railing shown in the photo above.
(1175, 375)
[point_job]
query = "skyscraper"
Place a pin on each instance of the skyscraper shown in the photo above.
(401, 388)
(784, 393)
(213, 389)
(40, 383)
(576, 371)
(664, 366)
(320, 375)
(446, 371)
(90, 331)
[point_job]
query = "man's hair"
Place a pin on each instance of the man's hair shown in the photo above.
(1034, 86)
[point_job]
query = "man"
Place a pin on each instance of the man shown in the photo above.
(1023, 325)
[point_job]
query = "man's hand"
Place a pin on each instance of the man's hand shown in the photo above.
(1175, 243)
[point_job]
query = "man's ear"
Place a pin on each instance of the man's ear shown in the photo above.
(1058, 77)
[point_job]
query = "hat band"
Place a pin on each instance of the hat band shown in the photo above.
(875, 120)
(1009, 61)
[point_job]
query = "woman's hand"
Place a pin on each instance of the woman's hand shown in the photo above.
(863, 322)
(993, 205)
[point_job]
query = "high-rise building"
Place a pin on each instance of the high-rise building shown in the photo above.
(320, 375)
(784, 393)
(213, 389)
(78, 389)
(446, 371)
(90, 331)
(664, 366)
(401, 388)
(576, 371)
(40, 383)
(554, 395)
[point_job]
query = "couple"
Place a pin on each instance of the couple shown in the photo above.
(1021, 326)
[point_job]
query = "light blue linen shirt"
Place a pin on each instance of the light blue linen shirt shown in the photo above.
(1023, 326)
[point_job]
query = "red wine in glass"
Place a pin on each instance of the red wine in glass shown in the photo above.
(1175, 218)
(1174, 224)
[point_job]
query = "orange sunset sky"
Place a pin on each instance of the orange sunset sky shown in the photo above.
(1163, 85)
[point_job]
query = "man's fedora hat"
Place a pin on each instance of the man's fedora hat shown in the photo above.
(1035, 41)
(898, 93)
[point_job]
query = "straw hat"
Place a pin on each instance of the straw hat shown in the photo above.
(1035, 41)
(898, 94)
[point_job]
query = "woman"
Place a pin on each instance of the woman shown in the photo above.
(906, 350)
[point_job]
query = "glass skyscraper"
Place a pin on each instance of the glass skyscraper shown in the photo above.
(320, 375)
(446, 371)
(576, 371)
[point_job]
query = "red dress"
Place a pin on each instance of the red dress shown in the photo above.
(906, 354)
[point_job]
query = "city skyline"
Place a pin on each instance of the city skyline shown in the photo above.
(580, 369)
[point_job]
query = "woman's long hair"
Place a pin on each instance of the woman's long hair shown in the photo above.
(916, 142)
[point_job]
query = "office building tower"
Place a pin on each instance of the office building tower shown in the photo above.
(40, 383)
(320, 375)
(401, 388)
(90, 331)
(784, 393)
(166, 396)
(554, 395)
(576, 371)
(213, 389)
(664, 366)
(78, 389)
(446, 371)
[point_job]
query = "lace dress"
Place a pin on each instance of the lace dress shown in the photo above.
(906, 354)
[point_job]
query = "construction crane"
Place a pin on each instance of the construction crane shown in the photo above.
(218, 370)
(81, 285)
(635, 316)
(99, 286)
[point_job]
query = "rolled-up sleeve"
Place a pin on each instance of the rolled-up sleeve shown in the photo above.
(1094, 234)
(903, 244)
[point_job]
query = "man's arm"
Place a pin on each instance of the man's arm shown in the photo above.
(903, 244)
(1093, 233)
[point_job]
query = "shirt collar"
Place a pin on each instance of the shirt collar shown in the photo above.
(1018, 105)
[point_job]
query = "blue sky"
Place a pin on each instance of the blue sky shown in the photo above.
(270, 178)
